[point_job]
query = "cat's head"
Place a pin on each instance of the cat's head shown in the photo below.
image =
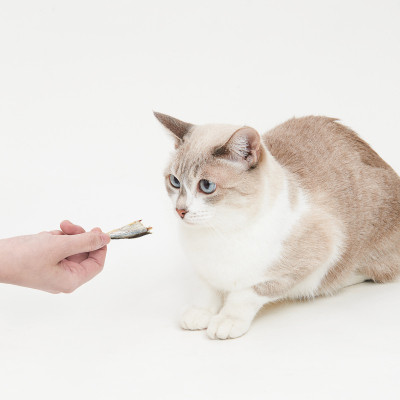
(215, 175)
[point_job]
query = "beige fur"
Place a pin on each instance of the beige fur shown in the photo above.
(345, 179)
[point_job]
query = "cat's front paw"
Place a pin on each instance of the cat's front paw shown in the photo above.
(227, 327)
(195, 319)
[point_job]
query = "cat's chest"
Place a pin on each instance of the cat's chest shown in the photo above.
(232, 262)
(236, 259)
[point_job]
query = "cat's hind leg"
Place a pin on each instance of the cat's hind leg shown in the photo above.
(207, 303)
(382, 263)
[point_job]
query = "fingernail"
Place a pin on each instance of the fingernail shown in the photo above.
(105, 239)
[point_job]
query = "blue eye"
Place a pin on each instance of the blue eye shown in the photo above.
(207, 186)
(174, 181)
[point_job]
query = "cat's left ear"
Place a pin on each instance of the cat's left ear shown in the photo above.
(243, 146)
(177, 127)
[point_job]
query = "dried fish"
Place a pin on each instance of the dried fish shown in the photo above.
(131, 231)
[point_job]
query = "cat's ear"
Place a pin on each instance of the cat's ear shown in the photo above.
(178, 128)
(243, 146)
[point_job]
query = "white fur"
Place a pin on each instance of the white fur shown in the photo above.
(236, 255)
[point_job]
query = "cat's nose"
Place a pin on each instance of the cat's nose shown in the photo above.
(181, 213)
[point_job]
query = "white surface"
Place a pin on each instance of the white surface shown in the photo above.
(78, 81)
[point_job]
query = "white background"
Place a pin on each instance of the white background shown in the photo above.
(78, 83)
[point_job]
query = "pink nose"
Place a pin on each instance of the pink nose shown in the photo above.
(181, 213)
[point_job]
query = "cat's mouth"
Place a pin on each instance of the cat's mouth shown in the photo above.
(195, 221)
(190, 221)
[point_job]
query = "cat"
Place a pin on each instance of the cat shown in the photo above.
(302, 211)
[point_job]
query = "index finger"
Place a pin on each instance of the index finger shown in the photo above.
(71, 229)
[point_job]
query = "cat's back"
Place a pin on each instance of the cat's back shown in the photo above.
(338, 170)
(305, 145)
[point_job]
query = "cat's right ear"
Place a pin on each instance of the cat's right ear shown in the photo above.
(243, 146)
(178, 128)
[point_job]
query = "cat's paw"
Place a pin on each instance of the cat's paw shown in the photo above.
(195, 319)
(227, 327)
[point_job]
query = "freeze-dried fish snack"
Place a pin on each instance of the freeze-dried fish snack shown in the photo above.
(134, 230)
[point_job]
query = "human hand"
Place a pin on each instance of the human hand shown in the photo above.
(55, 261)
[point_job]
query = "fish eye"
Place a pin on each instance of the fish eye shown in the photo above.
(174, 181)
(207, 186)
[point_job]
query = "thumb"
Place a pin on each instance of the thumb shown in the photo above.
(81, 243)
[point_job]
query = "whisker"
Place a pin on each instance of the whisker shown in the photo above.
(214, 225)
